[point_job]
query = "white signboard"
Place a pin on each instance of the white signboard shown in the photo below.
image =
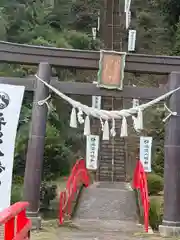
(145, 152)
(128, 19)
(94, 32)
(135, 103)
(10, 105)
(127, 5)
(98, 24)
(92, 147)
(131, 40)
(96, 102)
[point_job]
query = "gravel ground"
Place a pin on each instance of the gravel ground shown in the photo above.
(51, 231)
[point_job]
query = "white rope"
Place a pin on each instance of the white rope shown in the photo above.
(45, 101)
(170, 113)
(104, 114)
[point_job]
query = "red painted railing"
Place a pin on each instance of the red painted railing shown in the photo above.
(140, 183)
(79, 176)
(13, 222)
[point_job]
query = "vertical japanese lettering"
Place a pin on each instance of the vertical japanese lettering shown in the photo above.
(2, 123)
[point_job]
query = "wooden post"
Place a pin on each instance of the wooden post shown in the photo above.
(35, 152)
(171, 221)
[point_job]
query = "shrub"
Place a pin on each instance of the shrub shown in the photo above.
(16, 193)
(155, 213)
(155, 184)
(47, 194)
(57, 156)
(158, 161)
(19, 180)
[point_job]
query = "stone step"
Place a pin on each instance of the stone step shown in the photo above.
(105, 168)
(116, 178)
(109, 166)
(108, 172)
(105, 172)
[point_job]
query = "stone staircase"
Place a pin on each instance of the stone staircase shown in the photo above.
(108, 172)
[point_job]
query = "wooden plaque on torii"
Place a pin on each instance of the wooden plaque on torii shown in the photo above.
(111, 69)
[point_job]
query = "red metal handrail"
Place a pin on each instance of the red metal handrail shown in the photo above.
(140, 183)
(79, 176)
(14, 223)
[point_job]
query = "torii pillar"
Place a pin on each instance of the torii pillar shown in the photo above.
(35, 151)
(171, 220)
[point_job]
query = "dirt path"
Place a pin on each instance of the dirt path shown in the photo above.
(51, 231)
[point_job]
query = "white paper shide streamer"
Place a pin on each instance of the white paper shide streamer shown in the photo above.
(87, 126)
(124, 132)
(73, 119)
(106, 131)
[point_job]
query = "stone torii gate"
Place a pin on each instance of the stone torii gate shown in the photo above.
(161, 65)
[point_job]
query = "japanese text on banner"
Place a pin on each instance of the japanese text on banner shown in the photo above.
(92, 147)
(145, 152)
(2, 123)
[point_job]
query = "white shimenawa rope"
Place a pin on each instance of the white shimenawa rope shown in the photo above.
(170, 113)
(45, 101)
(104, 114)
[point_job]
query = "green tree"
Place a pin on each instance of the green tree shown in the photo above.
(176, 48)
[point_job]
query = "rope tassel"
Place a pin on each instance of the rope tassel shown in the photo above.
(73, 119)
(124, 128)
(87, 127)
(106, 131)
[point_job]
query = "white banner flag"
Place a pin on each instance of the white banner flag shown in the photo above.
(145, 152)
(10, 105)
(131, 40)
(127, 5)
(94, 33)
(96, 102)
(92, 147)
(128, 19)
(98, 23)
